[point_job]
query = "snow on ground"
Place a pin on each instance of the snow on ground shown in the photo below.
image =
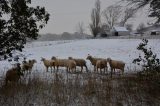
(119, 49)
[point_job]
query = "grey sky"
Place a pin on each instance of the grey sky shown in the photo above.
(65, 14)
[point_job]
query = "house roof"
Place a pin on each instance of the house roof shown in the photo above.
(151, 28)
(120, 28)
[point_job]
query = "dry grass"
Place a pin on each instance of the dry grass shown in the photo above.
(81, 90)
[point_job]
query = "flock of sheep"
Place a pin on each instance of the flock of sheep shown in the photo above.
(14, 74)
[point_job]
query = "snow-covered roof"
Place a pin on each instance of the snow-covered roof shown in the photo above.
(120, 28)
(155, 30)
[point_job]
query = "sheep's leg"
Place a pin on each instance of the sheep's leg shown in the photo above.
(97, 69)
(94, 68)
(122, 71)
(47, 69)
(51, 69)
(111, 72)
(67, 69)
(57, 68)
(30, 71)
(114, 70)
(75, 69)
(86, 68)
(72, 69)
(106, 69)
(81, 68)
(101, 70)
(54, 67)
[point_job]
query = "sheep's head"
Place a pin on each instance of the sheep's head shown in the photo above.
(109, 60)
(53, 58)
(70, 58)
(89, 57)
(32, 61)
(42, 59)
(20, 73)
(18, 69)
(18, 64)
(24, 62)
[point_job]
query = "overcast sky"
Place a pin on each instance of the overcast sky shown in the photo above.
(66, 14)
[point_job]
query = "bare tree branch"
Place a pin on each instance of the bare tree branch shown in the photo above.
(80, 28)
(128, 14)
(111, 15)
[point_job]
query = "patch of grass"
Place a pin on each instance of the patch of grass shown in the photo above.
(82, 89)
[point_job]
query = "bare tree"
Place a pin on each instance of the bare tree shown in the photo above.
(80, 28)
(111, 15)
(153, 5)
(128, 13)
(104, 29)
(140, 28)
(95, 19)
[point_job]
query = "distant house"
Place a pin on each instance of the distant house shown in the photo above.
(119, 31)
(152, 30)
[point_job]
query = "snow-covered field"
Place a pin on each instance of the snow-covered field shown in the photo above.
(119, 49)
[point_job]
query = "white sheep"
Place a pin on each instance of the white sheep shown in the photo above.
(114, 64)
(93, 60)
(48, 63)
(60, 62)
(79, 62)
(13, 74)
(71, 65)
(101, 64)
(27, 66)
